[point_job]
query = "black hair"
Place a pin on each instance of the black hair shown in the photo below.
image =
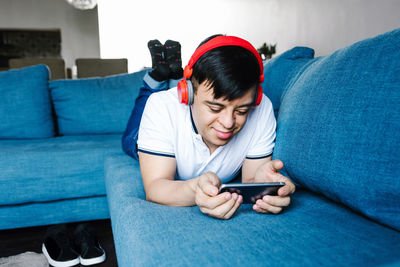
(230, 70)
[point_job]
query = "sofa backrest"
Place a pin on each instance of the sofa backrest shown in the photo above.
(95, 105)
(339, 127)
(280, 71)
(31, 106)
(25, 108)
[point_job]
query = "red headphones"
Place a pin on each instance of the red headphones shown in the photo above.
(185, 87)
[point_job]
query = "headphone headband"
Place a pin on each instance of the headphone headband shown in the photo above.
(220, 41)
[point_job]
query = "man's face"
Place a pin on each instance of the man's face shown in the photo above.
(219, 120)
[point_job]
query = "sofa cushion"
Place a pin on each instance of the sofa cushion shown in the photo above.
(54, 212)
(281, 71)
(56, 168)
(339, 124)
(25, 103)
(95, 105)
(314, 231)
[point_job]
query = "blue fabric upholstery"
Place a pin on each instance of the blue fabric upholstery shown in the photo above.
(280, 71)
(25, 103)
(53, 212)
(314, 231)
(95, 105)
(339, 124)
(56, 168)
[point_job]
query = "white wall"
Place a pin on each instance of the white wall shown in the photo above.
(325, 25)
(79, 29)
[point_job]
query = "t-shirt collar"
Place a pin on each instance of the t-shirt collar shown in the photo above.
(191, 119)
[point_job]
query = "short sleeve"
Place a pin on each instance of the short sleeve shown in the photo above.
(156, 128)
(264, 123)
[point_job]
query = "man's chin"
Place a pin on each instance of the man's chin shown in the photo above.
(217, 142)
(222, 142)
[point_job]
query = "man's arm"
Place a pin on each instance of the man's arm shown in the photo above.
(266, 170)
(158, 179)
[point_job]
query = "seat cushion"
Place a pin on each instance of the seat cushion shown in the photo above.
(95, 105)
(54, 212)
(314, 231)
(281, 71)
(339, 124)
(25, 109)
(56, 168)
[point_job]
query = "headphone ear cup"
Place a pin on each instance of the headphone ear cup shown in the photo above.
(259, 95)
(183, 92)
(190, 92)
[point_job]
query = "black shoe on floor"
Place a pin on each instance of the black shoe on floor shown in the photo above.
(57, 247)
(88, 246)
(173, 58)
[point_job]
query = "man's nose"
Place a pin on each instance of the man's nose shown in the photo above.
(227, 119)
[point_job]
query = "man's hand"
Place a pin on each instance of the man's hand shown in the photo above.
(221, 206)
(268, 172)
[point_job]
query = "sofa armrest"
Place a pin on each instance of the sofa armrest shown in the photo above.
(121, 170)
(312, 231)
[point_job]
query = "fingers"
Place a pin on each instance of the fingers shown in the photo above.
(210, 202)
(271, 204)
(209, 183)
(288, 189)
(235, 207)
(277, 164)
(269, 209)
(276, 201)
(221, 206)
(225, 210)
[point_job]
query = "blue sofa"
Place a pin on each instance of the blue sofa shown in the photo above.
(338, 135)
(54, 138)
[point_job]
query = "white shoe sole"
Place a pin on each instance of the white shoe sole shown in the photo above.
(92, 261)
(58, 263)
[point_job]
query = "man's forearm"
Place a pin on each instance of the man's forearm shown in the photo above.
(172, 192)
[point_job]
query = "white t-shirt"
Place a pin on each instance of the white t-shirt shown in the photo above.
(167, 129)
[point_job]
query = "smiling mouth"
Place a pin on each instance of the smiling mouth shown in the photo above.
(223, 135)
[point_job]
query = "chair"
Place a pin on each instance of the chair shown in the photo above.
(56, 65)
(96, 67)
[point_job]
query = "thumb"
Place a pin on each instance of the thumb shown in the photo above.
(214, 181)
(277, 165)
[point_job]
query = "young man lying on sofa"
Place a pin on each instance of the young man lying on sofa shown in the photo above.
(224, 124)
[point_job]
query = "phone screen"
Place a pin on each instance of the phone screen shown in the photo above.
(252, 192)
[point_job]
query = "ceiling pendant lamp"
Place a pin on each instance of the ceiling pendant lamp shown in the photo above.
(83, 4)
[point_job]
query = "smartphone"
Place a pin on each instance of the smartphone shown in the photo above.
(252, 192)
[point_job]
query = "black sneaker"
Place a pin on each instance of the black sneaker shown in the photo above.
(57, 247)
(88, 246)
(160, 67)
(173, 58)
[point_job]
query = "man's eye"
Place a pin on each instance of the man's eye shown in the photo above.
(215, 110)
(242, 112)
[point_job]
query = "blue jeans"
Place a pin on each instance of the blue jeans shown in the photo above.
(130, 136)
